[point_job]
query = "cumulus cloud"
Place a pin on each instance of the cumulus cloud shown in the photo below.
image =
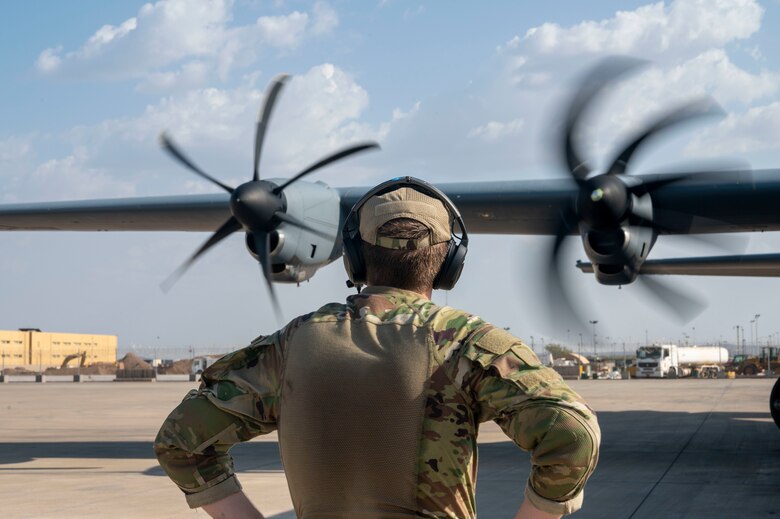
(72, 177)
(318, 112)
(755, 130)
(680, 26)
(14, 149)
(686, 44)
(325, 19)
(180, 43)
(496, 129)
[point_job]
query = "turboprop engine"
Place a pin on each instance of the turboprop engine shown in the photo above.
(296, 253)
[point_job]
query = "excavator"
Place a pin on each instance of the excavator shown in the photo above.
(82, 356)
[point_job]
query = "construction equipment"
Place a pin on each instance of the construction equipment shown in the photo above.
(82, 360)
(752, 365)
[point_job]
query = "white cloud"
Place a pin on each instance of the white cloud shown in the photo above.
(755, 130)
(14, 149)
(49, 60)
(681, 26)
(496, 129)
(189, 75)
(686, 43)
(325, 19)
(108, 33)
(72, 177)
(318, 113)
(283, 31)
(181, 43)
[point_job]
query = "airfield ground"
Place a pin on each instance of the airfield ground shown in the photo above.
(671, 448)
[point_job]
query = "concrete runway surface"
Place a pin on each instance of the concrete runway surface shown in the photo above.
(671, 448)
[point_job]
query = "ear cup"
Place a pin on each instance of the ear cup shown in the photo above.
(354, 263)
(352, 248)
(452, 267)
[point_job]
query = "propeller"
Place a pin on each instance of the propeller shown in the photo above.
(257, 207)
(605, 202)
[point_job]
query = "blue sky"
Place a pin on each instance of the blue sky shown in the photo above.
(453, 92)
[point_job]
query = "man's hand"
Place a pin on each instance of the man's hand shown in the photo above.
(528, 511)
(234, 506)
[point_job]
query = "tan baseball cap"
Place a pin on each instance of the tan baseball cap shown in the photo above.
(405, 202)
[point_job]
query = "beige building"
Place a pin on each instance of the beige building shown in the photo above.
(14, 348)
(36, 349)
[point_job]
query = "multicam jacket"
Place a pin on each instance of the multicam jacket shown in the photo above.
(377, 403)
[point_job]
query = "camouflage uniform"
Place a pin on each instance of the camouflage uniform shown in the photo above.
(469, 372)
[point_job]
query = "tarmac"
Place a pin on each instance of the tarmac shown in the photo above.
(670, 449)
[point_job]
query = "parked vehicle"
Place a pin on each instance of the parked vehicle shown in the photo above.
(751, 365)
(199, 364)
(672, 361)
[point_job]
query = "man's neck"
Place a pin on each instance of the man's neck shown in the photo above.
(427, 293)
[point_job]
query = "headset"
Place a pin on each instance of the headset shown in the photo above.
(456, 248)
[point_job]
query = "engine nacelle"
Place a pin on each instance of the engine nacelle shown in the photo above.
(617, 254)
(296, 254)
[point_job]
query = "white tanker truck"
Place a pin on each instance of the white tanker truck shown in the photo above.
(672, 361)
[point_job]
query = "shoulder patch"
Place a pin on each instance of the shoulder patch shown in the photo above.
(497, 341)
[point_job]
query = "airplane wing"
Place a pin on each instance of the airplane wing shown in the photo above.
(755, 265)
(737, 202)
(164, 213)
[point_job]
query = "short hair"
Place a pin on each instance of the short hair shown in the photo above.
(407, 269)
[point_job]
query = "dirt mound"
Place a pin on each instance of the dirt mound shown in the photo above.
(180, 367)
(19, 371)
(133, 361)
(99, 368)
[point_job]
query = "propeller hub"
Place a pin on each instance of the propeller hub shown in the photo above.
(254, 203)
(597, 195)
(604, 202)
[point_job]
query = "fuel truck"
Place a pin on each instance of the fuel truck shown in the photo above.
(672, 361)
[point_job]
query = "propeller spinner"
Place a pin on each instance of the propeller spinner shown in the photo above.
(258, 207)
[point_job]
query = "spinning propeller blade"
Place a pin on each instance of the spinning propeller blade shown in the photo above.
(169, 146)
(604, 203)
(264, 116)
(225, 230)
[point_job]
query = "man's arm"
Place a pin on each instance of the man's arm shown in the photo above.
(192, 448)
(527, 511)
(235, 506)
(541, 414)
(237, 401)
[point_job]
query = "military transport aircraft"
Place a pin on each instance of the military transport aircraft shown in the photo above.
(292, 226)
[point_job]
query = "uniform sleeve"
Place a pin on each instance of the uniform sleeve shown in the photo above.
(238, 400)
(540, 413)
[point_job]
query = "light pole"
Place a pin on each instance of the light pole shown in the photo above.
(738, 348)
(757, 340)
(593, 337)
(752, 342)
(626, 374)
(694, 336)
(568, 340)
(579, 351)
